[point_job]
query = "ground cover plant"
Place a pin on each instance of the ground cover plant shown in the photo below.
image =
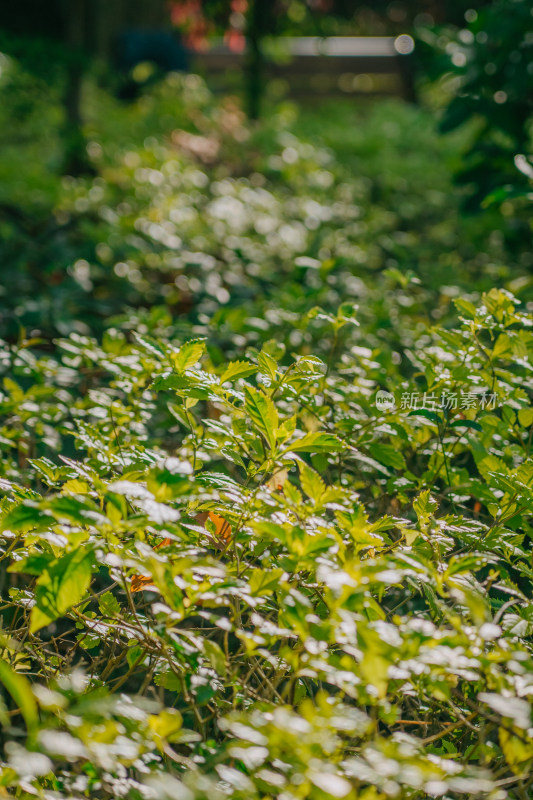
(266, 475)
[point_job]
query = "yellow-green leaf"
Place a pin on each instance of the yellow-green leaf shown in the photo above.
(267, 364)
(187, 355)
(62, 584)
(20, 690)
(237, 369)
(316, 443)
(263, 414)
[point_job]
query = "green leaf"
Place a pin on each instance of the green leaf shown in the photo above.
(63, 584)
(232, 455)
(26, 515)
(466, 307)
(166, 725)
(286, 429)
(374, 664)
(169, 381)
(20, 690)
(466, 423)
(187, 355)
(237, 369)
(503, 347)
(34, 564)
(109, 605)
(346, 313)
(312, 483)
(82, 511)
(149, 344)
(525, 417)
(216, 657)
(267, 365)
(388, 455)
(515, 749)
(263, 414)
(264, 581)
(424, 507)
(169, 680)
(316, 443)
(424, 412)
(135, 655)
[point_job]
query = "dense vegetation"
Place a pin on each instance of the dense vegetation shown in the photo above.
(266, 469)
(488, 61)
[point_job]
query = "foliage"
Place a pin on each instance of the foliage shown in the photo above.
(366, 604)
(192, 213)
(266, 491)
(489, 60)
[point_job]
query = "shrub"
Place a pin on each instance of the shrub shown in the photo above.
(247, 579)
(487, 64)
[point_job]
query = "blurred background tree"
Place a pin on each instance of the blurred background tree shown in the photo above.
(50, 222)
(487, 61)
(482, 49)
(484, 64)
(245, 24)
(59, 45)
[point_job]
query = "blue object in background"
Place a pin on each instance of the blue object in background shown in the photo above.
(161, 47)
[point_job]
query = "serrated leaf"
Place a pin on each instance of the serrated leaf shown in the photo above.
(188, 355)
(424, 507)
(75, 509)
(109, 605)
(263, 414)
(63, 584)
(169, 680)
(286, 429)
(292, 494)
(149, 344)
(24, 516)
(312, 483)
(466, 307)
(232, 455)
(237, 369)
(503, 347)
(316, 443)
(267, 365)
(217, 480)
(169, 381)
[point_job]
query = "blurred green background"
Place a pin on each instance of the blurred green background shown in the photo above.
(126, 186)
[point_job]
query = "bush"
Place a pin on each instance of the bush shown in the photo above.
(254, 581)
(266, 490)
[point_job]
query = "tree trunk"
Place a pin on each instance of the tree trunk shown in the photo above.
(257, 26)
(75, 155)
